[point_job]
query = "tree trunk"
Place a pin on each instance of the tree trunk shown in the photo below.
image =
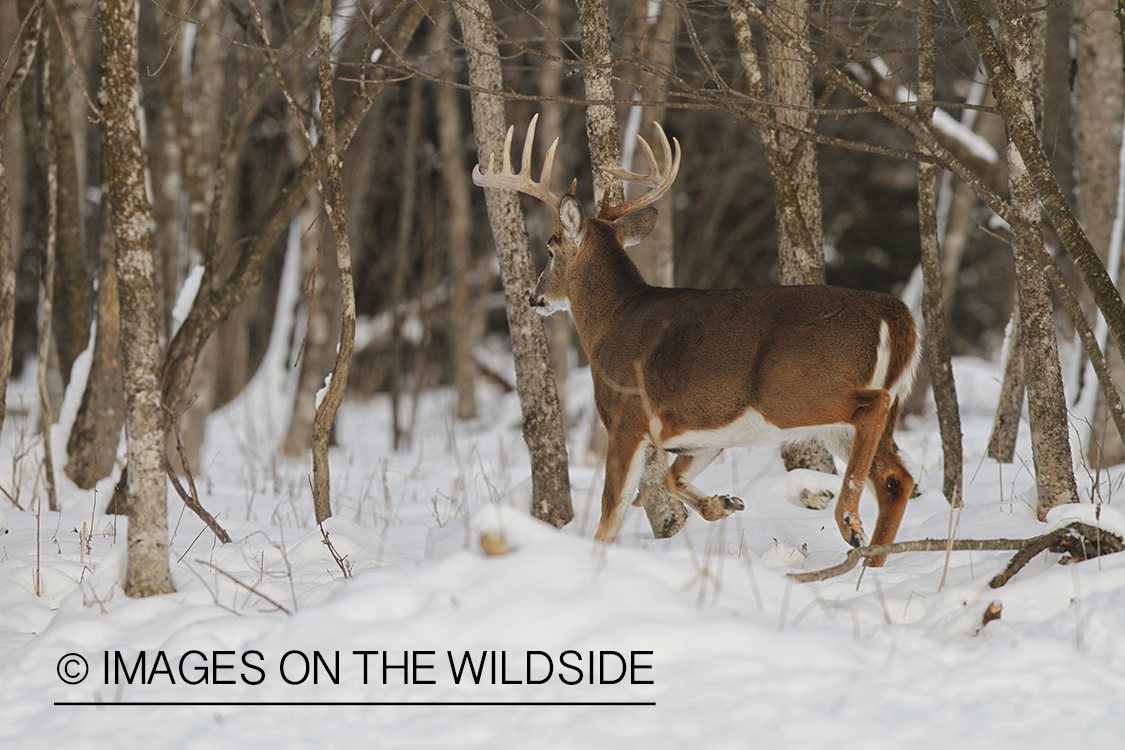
(1046, 403)
(50, 192)
(408, 199)
(657, 24)
(166, 115)
(1099, 101)
(316, 351)
(1005, 430)
(933, 307)
(92, 447)
(551, 77)
(542, 421)
(601, 119)
(800, 253)
(8, 94)
(148, 570)
(73, 286)
(333, 193)
(463, 327)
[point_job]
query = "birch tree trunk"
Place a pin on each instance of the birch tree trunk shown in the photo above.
(148, 570)
(542, 421)
(1025, 34)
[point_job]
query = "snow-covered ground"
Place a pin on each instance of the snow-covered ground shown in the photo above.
(699, 641)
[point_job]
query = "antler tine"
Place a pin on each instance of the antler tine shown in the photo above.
(658, 181)
(507, 167)
(522, 180)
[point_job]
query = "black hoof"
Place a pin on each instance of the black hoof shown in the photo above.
(731, 504)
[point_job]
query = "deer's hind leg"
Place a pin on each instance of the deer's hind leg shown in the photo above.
(869, 414)
(687, 467)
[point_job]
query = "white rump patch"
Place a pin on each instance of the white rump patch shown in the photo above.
(882, 358)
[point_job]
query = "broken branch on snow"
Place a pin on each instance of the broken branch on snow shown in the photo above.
(1079, 540)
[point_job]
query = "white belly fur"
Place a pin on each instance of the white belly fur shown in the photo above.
(753, 429)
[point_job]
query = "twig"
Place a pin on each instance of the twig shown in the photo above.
(246, 586)
(190, 500)
(345, 567)
(1076, 538)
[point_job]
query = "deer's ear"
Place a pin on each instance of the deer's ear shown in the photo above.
(634, 227)
(572, 219)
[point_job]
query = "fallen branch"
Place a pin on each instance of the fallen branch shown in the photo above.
(1080, 540)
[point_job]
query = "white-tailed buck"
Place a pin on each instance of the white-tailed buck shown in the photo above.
(695, 371)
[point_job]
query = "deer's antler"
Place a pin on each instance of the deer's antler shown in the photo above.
(655, 180)
(521, 181)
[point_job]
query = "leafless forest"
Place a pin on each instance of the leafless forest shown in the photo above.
(973, 147)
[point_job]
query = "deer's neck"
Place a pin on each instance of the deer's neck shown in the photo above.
(603, 288)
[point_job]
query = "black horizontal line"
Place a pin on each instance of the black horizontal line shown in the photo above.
(356, 703)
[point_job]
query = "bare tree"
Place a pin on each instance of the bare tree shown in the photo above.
(148, 571)
(92, 446)
(215, 299)
(1025, 34)
(333, 193)
(1099, 106)
(73, 290)
(933, 307)
(655, 27)
(542, 420)
(50, 193)
(315, 350)
(8, 94)
(552, 75)
(463, 324)
(400, 435)
(1005, 429)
